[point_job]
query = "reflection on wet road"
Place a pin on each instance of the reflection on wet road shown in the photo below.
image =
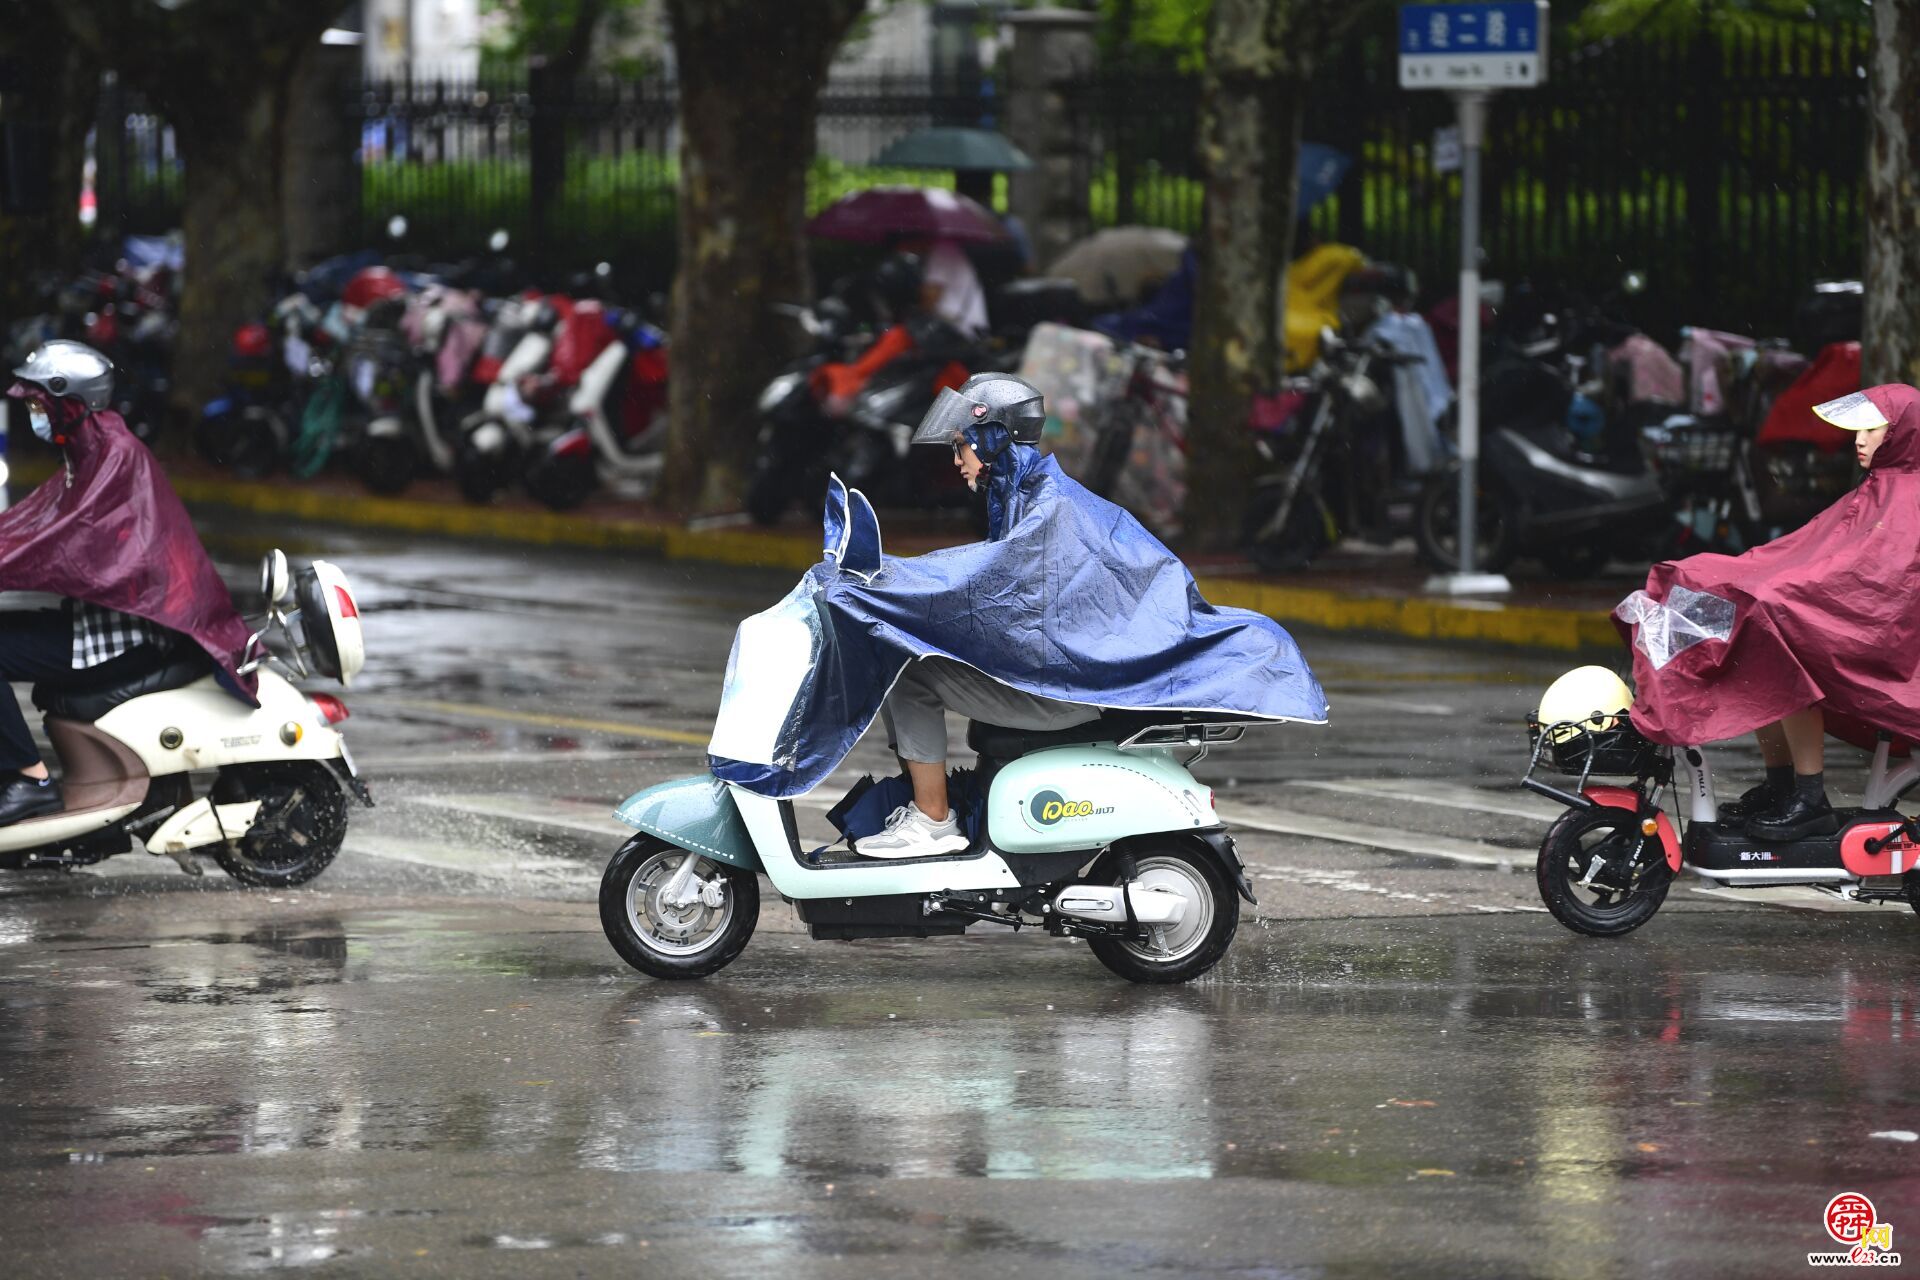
(430, 1062)
(452, 1087)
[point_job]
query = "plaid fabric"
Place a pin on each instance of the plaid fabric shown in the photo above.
(100, 635)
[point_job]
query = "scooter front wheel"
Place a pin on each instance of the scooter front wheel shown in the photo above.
(1599, 875)
(666, 939)
(1177, 952)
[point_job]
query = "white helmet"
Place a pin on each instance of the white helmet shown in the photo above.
(1586, 700)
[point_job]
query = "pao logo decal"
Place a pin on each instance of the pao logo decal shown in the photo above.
(1050, 807)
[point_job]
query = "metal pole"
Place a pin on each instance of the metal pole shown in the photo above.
(1472, 108)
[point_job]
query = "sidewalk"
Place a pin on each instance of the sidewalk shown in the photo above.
(1373, 594)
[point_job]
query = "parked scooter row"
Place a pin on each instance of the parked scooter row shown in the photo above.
(403, 375)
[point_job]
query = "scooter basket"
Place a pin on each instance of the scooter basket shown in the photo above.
(1579, 748)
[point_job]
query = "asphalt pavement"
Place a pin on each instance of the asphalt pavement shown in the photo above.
(430, 1062)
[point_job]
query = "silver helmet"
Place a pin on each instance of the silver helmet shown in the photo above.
(67, 368)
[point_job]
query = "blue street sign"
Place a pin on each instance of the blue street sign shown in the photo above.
(1473, 46)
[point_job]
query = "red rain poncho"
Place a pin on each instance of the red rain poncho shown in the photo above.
(107, 529)
(1829, 614)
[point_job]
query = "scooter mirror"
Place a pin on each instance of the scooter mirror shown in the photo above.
(275, 579)
(498, 240)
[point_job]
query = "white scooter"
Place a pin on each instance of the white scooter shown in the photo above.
(1095, 832)
(598, 446)
(275, 811)
(497, 435)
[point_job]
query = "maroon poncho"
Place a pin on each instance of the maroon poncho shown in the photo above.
(1829, 614)
(107, 529)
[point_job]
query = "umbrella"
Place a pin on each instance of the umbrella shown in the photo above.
(1114, 267)
(980, 150)
(880, 214)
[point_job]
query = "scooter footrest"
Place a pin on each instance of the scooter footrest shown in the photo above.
(1726, 846)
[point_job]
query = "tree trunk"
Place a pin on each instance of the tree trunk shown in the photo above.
(1892, 324)
(552, 82)
(1260, 61)
(218, 70)
(1253, 94)
(49, 93)
(235, 235)
(749, 85)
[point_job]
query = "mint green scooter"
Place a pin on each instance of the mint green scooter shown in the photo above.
(1096, 832)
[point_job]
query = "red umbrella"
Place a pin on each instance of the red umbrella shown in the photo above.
(879, 214)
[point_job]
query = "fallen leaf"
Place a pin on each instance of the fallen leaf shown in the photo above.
(1646, 1146)
(536, 1083)
(1434, 1173)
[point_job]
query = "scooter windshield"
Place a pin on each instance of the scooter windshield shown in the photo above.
(763, 701)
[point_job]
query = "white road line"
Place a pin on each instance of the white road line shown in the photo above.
(467, 859)
(1286, 822)
(1340, 699)
(381, 764)
(570, 815)
(1447, 795)
(1800, 899)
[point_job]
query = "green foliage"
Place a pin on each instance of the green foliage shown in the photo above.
(1602, 18)
(1170, 34)
(520, 29)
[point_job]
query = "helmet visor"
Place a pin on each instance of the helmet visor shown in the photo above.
(950, 414)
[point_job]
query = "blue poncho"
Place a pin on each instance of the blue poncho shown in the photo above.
(1070, 598)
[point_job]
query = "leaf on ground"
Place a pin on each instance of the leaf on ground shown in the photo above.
(1434, 1173)
(1648, 1147)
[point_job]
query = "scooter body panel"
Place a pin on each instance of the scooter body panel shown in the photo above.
(1087, 797)
(215, 728)
(693, 813)
(864, 879)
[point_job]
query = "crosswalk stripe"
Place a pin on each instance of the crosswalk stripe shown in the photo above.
(1445, 794)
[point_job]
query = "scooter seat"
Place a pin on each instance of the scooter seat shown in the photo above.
(997, 742)
(90, 702)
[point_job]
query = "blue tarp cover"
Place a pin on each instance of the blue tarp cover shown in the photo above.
(1070, 598)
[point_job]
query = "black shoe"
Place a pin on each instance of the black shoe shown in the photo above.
(25, 797)
(1756, 802)
(1797, 819)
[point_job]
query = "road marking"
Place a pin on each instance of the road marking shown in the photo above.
(572, 815)
(1286, 822)
(1446, 795)
(546, 721)
(1340, 699)
(379, 766)
(1794, 897)
(468, 859)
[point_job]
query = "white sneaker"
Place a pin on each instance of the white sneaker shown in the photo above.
(912, 834)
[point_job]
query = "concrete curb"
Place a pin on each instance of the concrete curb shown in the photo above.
(1413, 617)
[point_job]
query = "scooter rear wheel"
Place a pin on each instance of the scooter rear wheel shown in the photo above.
(1620, 905)
(1175, 953)
(667, 942)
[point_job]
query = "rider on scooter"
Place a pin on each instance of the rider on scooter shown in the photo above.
(915, 711)
(109, 536)
(1814, 631)
(1070, 595)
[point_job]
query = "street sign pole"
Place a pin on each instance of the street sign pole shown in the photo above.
(1470, 50)
(1471, 105)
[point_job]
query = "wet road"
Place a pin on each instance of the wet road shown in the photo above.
(430, 1062)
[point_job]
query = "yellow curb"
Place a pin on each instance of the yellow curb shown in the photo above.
(1518, 626)
(1418, 618)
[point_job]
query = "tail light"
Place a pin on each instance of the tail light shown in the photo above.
(331, 709)
(573, 444)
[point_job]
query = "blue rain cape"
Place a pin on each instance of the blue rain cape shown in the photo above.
(1070, 598)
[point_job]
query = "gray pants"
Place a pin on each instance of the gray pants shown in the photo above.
(915, 712)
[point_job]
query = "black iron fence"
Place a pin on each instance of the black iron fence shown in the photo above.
(1729, 170)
